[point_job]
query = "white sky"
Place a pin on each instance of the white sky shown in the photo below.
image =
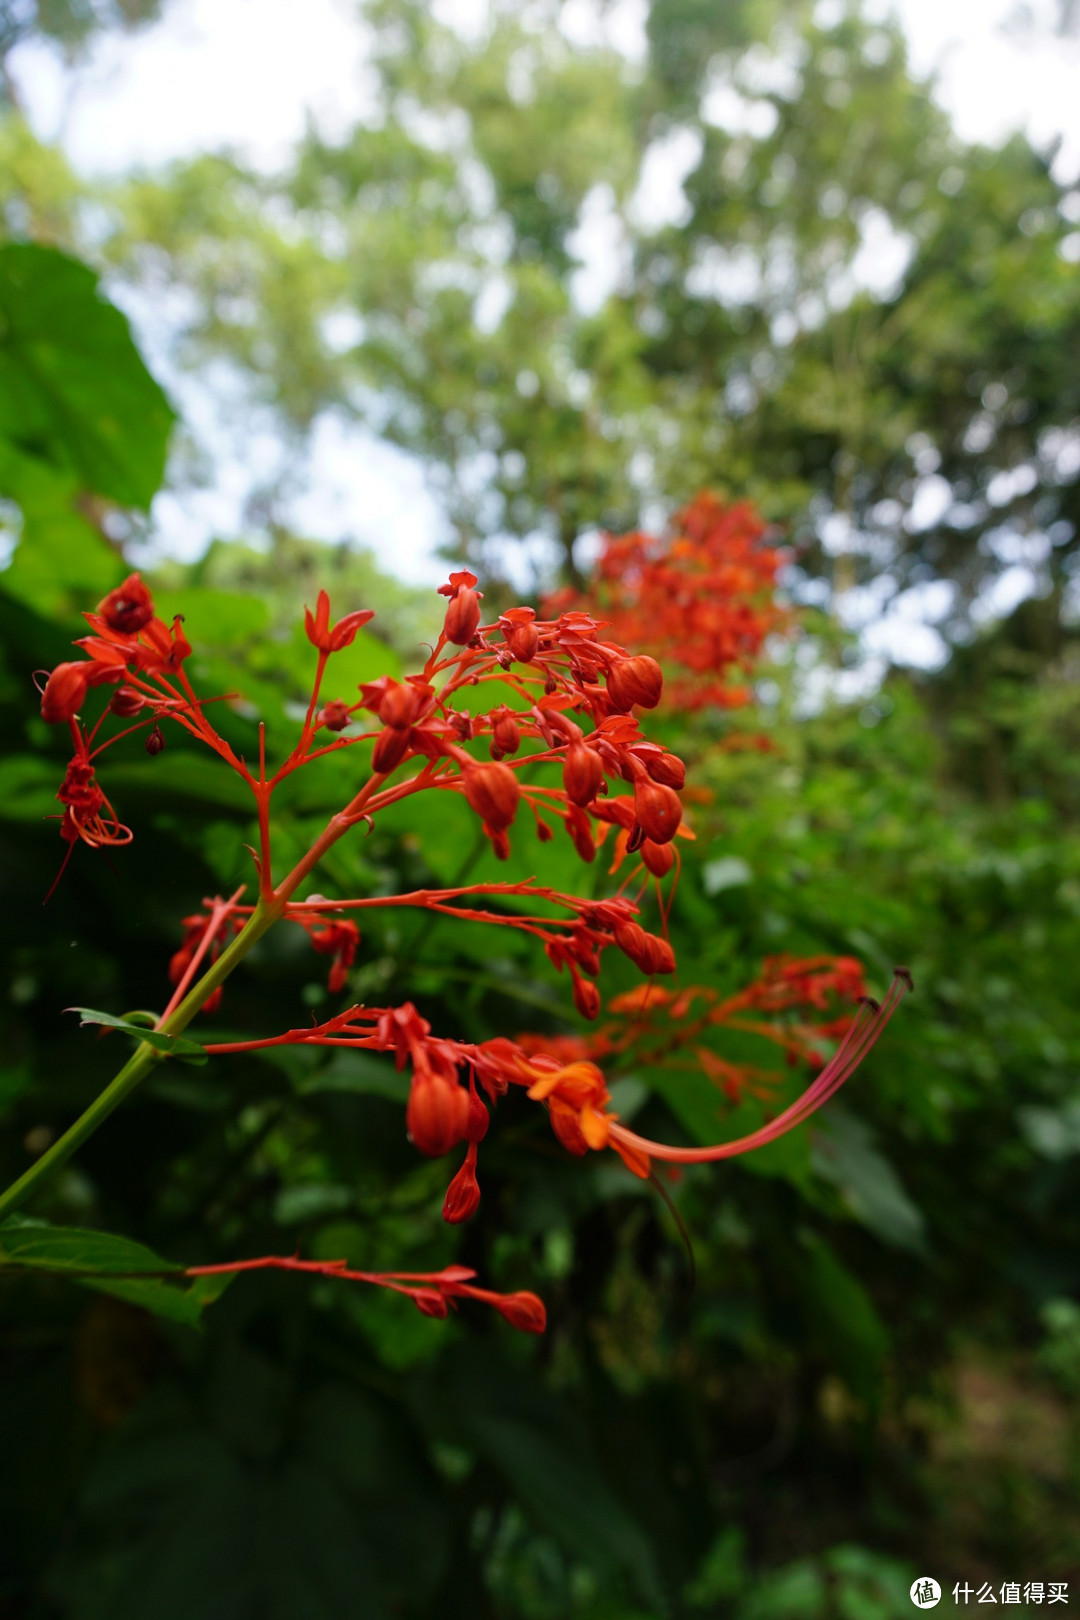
(248, 73)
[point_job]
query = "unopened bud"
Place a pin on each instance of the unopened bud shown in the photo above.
(523, 1310)
(500, 842)
(430, 1302)
(462, 617)
(334, 715)
(523, 641)
(155, 741)
(64, 692)
(586, 998)
(437, 1113)
(657, 810)
(659, 858)
(399, 705)
(580, 830)
(391, 746)
(505, 734)
(583, 772)
(127, 702)
(635, 682)
(476, 1129)
(463, 1194)
(666, 768)
(492, 790)
(647, 952)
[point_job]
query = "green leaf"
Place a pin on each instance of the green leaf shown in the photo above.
(74, 391)
(842, 1150)
(175, 1045)
(98, 1260)
(842, 1317)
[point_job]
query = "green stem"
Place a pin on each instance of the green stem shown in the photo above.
(142, 1061)
(145, 1058)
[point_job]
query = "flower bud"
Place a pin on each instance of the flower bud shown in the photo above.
(583, 772)
(391, 746)
(478, 1116)
(462, 617)
(522, 1310)
(659, 858)
(334, 715)
(155, 741)
(430, 1302)
(437, 1113)
(657, 810)
(492, 790)
(646, 951)
(666, 768)
(580, 830)
(586, 998)
(463, 1194)
(500, 843)
(523, 640)
(635, 681)
(129, 608)
(505, 735)
(127, 702)
(399, 705)
(64, 693)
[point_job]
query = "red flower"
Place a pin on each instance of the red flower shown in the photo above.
(332, 638)
(87, 812)
(129, 608)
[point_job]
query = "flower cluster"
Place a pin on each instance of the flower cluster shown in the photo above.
(659, 1027)
(567, 698)
(701, 601)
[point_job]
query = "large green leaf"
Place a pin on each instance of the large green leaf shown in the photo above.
(74, 391)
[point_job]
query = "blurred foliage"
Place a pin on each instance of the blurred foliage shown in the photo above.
(875, 1373)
